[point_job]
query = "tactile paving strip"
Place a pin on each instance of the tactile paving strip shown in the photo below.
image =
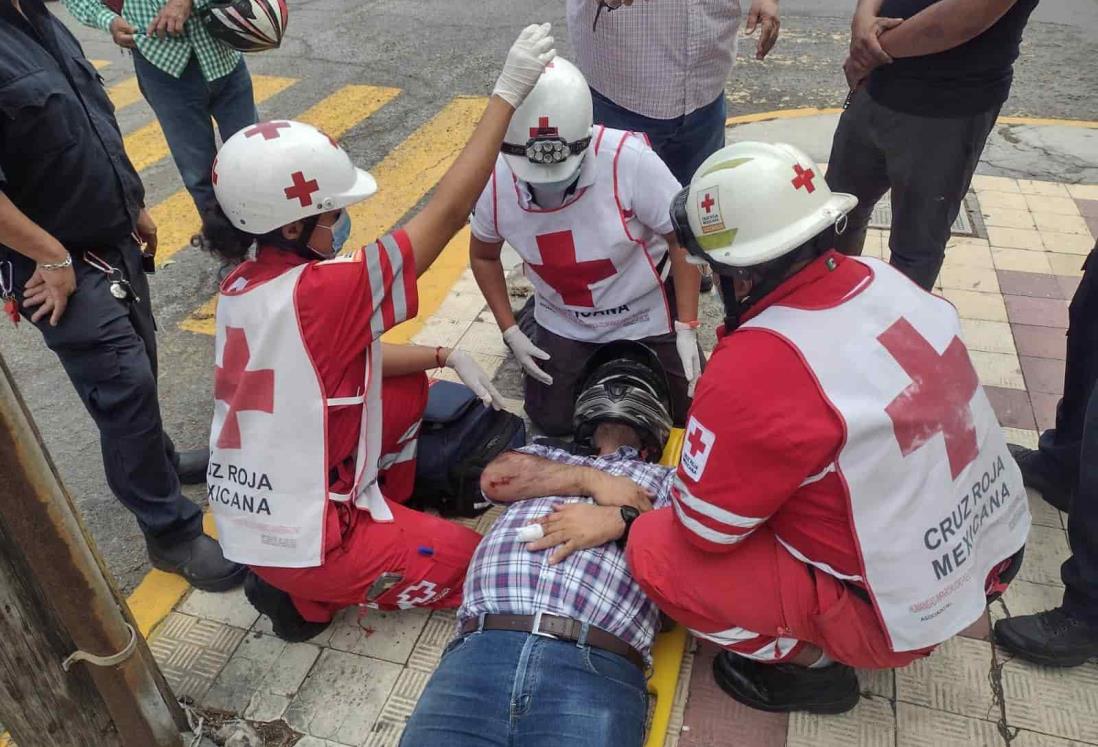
(192, 651)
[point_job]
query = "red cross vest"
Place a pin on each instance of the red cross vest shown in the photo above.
(591, 262)
(935, 499)
(268, 475)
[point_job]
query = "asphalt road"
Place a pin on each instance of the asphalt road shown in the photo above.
(434, 50)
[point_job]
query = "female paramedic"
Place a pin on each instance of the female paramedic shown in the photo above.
(587, 209)
(300, 413)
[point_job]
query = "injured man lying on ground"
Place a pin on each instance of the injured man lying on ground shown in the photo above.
(553, 643)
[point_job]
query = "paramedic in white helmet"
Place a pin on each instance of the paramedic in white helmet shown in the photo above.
(586, 208)
(302, 422)
(845, 497)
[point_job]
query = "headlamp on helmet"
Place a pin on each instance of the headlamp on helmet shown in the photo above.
(546, 151)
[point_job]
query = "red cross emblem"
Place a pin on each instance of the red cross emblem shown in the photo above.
(301, 190)
(543, 129)
(939, 398)
(242, 390)
(708, 203)
(269, 130)
(695, 441)
(804, 178)
(570, 278)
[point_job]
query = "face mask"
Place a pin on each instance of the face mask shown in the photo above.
(340, 230)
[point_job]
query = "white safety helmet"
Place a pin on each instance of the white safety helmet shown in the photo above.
(753, 202)
(247, 25)
(273, 173)
(551, 131)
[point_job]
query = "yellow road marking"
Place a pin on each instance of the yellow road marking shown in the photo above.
(146, 145)
(100, 64)
(403, 177)
(176, 217)
(813, 112)
(122, 95)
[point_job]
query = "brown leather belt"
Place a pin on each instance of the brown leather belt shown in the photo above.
(561, 628)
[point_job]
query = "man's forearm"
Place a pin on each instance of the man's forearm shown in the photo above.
(944, 25)
(515, 476)
(20, 233)
(90, 13)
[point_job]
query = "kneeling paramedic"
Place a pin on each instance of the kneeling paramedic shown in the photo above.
(845, 497)
(586, 209)
(301, 415)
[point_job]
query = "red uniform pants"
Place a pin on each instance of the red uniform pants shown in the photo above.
(417, 560)
(757, 599)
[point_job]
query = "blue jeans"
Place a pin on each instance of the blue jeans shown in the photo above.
(498, 688)
(683, 143)
(184, 106)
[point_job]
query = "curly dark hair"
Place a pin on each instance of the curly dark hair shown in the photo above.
(221, 238)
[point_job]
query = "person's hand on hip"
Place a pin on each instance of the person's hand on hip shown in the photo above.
(765, 17)
(171, 19)
(525, 352)
(49, 289)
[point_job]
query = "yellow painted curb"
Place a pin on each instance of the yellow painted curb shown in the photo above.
(813, 112)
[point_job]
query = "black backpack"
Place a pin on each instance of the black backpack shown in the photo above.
(458, 438)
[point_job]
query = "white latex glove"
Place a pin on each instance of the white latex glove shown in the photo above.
(474, 377)
(525, 353)
(686, 342)
(525, 63)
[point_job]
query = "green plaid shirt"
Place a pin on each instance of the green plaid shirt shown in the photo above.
(172, 53)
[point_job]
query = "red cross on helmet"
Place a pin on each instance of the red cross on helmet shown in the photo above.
(274, 173)
(551, 131)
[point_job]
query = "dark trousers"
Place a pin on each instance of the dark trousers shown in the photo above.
(108, 350)
(1071, 448)
(683, 142)
(928, 164)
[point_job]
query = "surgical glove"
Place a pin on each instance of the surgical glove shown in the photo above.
(525, 63)
(686, 342)
(525, 353)
(474, 377)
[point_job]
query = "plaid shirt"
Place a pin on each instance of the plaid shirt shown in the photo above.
(170, 54)
(593, 586)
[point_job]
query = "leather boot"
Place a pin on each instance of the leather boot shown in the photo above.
(287, 622)
(781, 688)
(200, 561)
(1037, 474)
(191, 465)
(1054, 638)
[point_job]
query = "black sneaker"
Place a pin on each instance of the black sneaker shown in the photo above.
(287, 622)
(200, 561)
(707, 282)
(1053, 638)
(1037, 474)
(191, 465)
(781, 688)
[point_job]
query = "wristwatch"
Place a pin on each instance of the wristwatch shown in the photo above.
(628, 515)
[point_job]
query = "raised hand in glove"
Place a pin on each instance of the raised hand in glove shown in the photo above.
(525, 353)
(474, 377)
(686, 342)
(525, 63)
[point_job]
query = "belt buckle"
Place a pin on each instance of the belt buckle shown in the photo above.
(536, 630)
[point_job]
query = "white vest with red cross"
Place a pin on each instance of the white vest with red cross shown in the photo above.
(935, 498)
(592, 263)
(268, 475)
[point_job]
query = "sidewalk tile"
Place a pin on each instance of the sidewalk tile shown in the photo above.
(965, 252)
(191, 652)
(1040, 312)
(342, 697)
(998, 369)
(1005, 217)
(381, 635)
(969, 279)
(1056, 223)
(438, 632)
(880, 682)
(1058, 702)
(1052, 205)
(483, 337)
(976, 305)
(1043, 375)
(983, 183)
(398, 708)
(1087, 208)
(1033, 187)
(1067, 243)
(871, 724)
(1031, 284)
(1046, 550)
(1083, 191)
(1026, 437)
(261, 665)
(1026, 738)
(267, 707)
(231, 607)
(1021, 260)
(1092, 224)
(308, 741)
(954, 678)
(1044, 515)
(1026, 598)
(263, 625)
(1012, 407)
(1000, 199)
(439, 330)
(1044, 409)
(993, 337)
(1068, 285)
(714, 720)
(1069, 265)
(1015, 238)
(923, 727)
(1040, 342)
